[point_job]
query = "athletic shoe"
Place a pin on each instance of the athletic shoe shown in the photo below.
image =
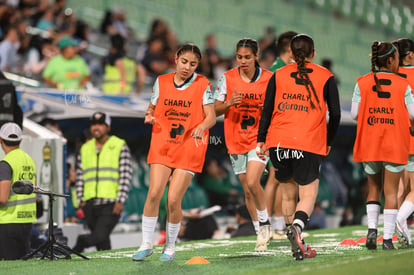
(279, 235)
(388, 245)
(167, 257)
(140, 255)
(371, 239)
(296, 243)
(404, 236)
(263, 238)
(309, 253)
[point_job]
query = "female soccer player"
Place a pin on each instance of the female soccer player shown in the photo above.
(379, 104)
(240, 96)
(293, 127)
(181, 112)
(405, 48)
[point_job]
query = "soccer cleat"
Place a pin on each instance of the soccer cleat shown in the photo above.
(166, 257)
(371, 242)
(296, 243)
(404, 236)
(388, 245)
(309, 253)
(263, 238)
(140, 255)
(168, 254)
(278, 234)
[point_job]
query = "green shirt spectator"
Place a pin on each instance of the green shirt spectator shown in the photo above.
(68, 70)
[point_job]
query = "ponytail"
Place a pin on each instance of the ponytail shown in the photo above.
(302, 46)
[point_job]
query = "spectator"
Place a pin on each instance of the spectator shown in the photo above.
(8, 50)
(154, 60)
(67, 70)
(244, 222)
(103, 178)
(15, 228)
(39, 53)
(195, 227)
(317, 219)
(121, 72)
(119, 23)
(211, 57)
(219, 188)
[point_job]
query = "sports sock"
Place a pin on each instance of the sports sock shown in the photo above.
(262, 215)
(172, 233)
(256, 226)
(278, 223)
(301, 219)
(148, 228)
(405, 211)
(373, 211)
(390, 216)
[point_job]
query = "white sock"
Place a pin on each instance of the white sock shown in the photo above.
(172, 233)
(278, 223)
(405, 211)
(256, 226)
(373, 211)
(390, 216)
(262, 215)
(300, 223)
(148, 228)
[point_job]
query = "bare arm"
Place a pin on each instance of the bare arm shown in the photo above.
(149, 114)
(222, 106)
(4, 191)
(120, 65)
(208, 122)
(141, 74)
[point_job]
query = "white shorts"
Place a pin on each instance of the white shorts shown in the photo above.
(239, 161)
(410, 164)
(374, 167)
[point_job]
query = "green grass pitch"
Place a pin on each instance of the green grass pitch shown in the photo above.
(237, 256)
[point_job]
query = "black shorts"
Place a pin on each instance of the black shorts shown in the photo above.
(301, 166)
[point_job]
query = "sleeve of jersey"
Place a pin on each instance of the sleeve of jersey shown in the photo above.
(334, 108)
(208, 97)
(409, 102)
(221, 90)
(155, 92)
(269, 105)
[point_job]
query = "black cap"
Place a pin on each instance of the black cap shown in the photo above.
(100, 117)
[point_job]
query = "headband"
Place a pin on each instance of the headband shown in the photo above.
(389, 52)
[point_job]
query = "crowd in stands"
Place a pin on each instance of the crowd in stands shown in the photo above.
(45, 40)
(31, 34)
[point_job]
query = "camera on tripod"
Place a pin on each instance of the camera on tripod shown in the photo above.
(51, 249)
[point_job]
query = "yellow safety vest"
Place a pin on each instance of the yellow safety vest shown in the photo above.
(19, 208)
(112, 77)
(101, 171)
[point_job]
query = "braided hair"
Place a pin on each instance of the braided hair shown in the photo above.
(381, 51)
(404, 46)
(249, 43)
(302, 47)
(189, 47)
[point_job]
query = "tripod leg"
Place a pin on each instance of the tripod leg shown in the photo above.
(47, 249)
(31, 254)
(68, 249)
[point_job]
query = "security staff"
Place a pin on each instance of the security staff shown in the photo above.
(17, 212)
(103, 178)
